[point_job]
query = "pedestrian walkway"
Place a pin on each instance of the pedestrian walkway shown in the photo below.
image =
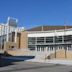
(54, 61)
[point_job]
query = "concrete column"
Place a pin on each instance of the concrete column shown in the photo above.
(44, 40)
(67, 48)
(36, 48)
(46, 49)
(49, 49)
(62, 39)
(54, 39)
(58, 47)
(63, 47)
(4, 37)
(15, 36)
(40, 49)
(35, 40)
(53, 48)
(1, 37)
(7, 39)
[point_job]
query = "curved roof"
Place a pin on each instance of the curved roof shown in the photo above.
(47, 28)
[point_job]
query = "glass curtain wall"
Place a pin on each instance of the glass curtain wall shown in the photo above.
(60, 42)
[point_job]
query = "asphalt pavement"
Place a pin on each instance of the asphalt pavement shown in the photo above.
(35, 67)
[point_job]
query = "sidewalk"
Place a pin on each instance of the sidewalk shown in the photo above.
(63, 62)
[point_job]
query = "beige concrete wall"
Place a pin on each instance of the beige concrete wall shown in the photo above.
(69, 54)
(61, 54)
(17, 52)
(24, 40)
(8, 45)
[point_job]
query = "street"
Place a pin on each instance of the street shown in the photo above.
(35, 67)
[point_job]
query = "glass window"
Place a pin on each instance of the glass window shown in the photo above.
(51, 48)
(38, 49)
(49, 39)
(48, 48)
(58, 39)
(40, 39)
(68, 38)
(42, 48)
(31, 40)
(31, 47)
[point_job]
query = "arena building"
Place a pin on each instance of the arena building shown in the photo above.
(55, 41)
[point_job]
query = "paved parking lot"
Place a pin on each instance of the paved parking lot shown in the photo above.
(35, 67)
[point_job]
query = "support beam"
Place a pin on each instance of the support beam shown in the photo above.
(15, 36)
(62, 39)
(7, 39)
